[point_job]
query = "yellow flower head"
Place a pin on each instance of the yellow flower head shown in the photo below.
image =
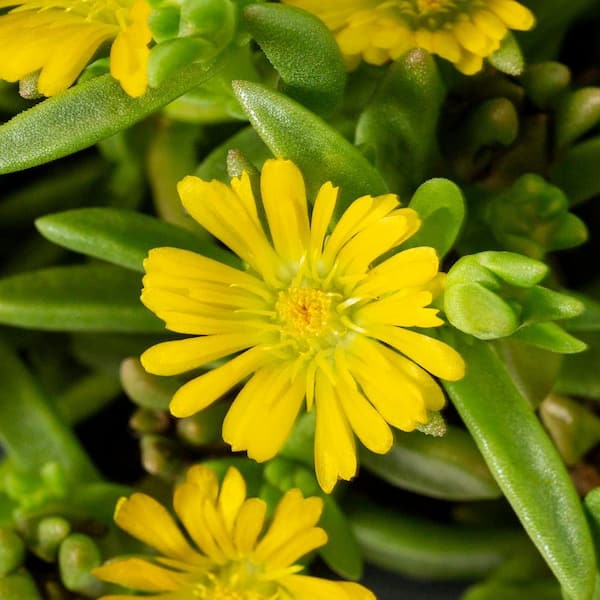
(230, 559)
(461, 31)
(59, 37)
(316, 320)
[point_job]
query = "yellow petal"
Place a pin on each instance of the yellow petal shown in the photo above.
(231, 497)
(321, 217)
(242, 186)
(430, 391)
(469, 64)
(471, 38)
(206, 389)
(360, 214)
(366, 422)
(171, 358)
(335, 451)
(303, 587)
(404, 309)
(262, 415)
(395, 395)
(139, 574)
(249, 524)
(491, 24)
(284, 199)
(301, 545)
(145, 519)
(515, 15)
(219, 210)
(293, 515)
(445, 45)
(188, 501)
(434, 356)
(411, 268)
(63, 66)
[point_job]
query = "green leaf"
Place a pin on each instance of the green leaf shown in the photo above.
(525, 464)
(303, 51)
(62, 188)
(321, 153)
(121, 237)
(341, 553)
(400, 122)
(31, 433)
(83, 115)
(417, 547)
(579, 375)
(577, 172)
(441, 206)
(448, 467)
(523, 363)
(543, 82)
(577, 113)
(549, 336)
(508, 58)
(77, 298)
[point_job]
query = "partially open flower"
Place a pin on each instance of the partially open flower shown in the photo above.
(314, 319)
(57, 38)
(231, 558)
(461, 31)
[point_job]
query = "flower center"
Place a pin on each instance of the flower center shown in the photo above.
(236, 581)
(304, 312)
(431, 14)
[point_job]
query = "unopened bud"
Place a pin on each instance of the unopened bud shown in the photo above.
(12, 551)
(77, 556)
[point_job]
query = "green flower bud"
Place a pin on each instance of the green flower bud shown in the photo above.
(574, 428)
(50, 533)
(160, 456)
(19, 586)
(203, 428)
(543, 82)
(147, 391)
(146, 420)
(77, 556)
(12, 551)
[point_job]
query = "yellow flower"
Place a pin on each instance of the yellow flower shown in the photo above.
(461, 31)
(231, 560)
(318, 322)
(59, 37)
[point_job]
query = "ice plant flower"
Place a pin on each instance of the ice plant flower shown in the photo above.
(461, 31)
(231, 558)
(57, 38)
(316, 320)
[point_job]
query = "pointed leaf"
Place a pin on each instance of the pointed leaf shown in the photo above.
(303, 51)
(121, 237)
(77, 298)
(525, 464)
(83, 115)
(321, 153)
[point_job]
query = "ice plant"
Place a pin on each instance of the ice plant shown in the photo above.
(317, 321)
(229, 558)
(57, 38)
(461, 31)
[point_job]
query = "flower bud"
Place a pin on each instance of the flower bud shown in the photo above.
(77, 556)
(12, 551)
